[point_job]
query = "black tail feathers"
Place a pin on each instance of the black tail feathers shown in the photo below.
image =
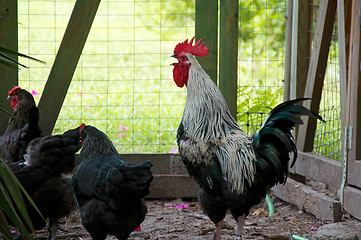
(129, 181)
(274, 141)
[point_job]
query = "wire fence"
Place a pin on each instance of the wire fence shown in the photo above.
(123, 82)
(260, 61)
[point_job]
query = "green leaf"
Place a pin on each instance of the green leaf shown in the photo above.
(9, 61)
(5, 50)
(4, 226)
(5, 110)
(12, 203)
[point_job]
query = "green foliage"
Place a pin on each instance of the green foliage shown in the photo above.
(254, 103)
(13, 206)
(10, 61)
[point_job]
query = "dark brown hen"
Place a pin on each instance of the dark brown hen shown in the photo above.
(22, 128)
(47, 159)
(108, 189)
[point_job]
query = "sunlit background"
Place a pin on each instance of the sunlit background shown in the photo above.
(123, 82)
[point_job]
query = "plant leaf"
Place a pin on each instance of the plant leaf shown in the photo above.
(7, 111)
(5, 50)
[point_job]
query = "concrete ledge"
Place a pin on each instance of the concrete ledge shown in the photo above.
(318, 168)
(173, 186)
(305, 198)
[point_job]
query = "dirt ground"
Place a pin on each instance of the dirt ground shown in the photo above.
(183, 219)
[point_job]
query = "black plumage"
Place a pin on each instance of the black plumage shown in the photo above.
(41, 175)
(22, 128)
(108, 189)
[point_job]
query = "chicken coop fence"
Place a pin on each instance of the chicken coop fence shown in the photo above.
(123, 82)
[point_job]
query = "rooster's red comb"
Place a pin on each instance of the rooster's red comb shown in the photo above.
(196, 49)
(81, 127)
(14, 89)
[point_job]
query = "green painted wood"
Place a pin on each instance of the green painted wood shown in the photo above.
(65, 62)
(228, 53)
(206, 23)
(9, 40)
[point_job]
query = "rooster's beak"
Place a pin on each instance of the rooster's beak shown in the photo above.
(9, 97)
(172, 56)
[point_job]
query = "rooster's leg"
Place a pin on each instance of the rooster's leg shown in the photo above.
(217, 234)
(240, 224)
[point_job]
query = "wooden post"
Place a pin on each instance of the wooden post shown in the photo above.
(65, 62)
(288, 46)
(228, 53)
(344, 22)
(352, 193)
(9, 40)
(316, 72)
(301, 46)
(206, 23)
(354, 86)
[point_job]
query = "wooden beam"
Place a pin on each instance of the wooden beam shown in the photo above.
(344, 25)
(352, 201)
(301, 46)
(228, 53)
(316, 72)
(305, 198)
(171, 178)
(352, 192)
(318, 168)
(206, 28)
(354, 86)
(288, 48)
(65, 62)
(9, 40)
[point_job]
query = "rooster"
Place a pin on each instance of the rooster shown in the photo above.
(108, 189)
(234, 170)
(22, 128)
(41, 174)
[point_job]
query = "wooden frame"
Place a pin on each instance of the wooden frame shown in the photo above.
(228, 53)
(206, 22)
(300, 46)
(345, 176)
(9, 40)
(352, 192)
(207, 15)
(316, 72)
(65, 62)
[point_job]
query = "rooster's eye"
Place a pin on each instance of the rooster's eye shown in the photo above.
(183, 58)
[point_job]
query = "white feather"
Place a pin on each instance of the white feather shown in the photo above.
(208, 122)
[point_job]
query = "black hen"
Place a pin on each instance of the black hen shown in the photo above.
(108, 189)
(22, 128)
(47, 159)
(234, 170)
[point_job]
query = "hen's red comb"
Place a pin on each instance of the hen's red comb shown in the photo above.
(81, 127)
(196, 49)
(14, 89)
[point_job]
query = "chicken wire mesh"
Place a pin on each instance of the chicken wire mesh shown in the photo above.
(260, 60)
(123, 83)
